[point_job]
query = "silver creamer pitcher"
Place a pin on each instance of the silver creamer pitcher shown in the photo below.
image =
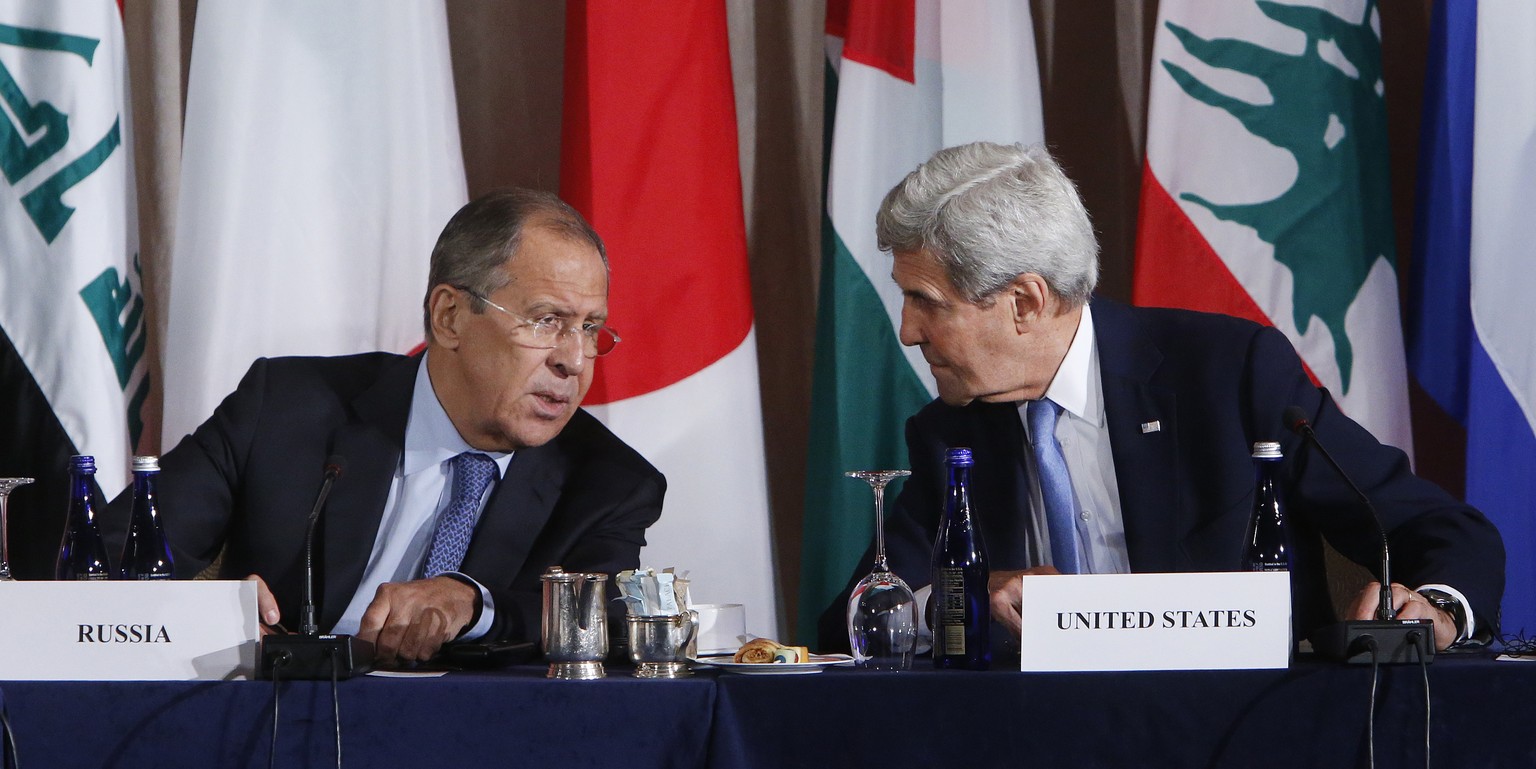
(575, 633)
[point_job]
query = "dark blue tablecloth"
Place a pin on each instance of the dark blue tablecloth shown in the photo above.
(513, 718)
(1313, 715)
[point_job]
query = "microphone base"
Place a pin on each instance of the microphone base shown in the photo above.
(1398, 641)
(313, 657)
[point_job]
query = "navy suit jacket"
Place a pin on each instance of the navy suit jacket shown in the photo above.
(1215, 385)
(243, 483)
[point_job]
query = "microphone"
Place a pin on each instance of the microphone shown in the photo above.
(334, 465)
(1385, 638)
(308, 655)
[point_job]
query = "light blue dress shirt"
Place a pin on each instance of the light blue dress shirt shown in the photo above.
(421, 489)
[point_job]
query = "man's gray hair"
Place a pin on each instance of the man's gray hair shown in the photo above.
(990, 213)
(487, 231)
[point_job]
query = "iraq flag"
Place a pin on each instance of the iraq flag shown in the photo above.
(72, 366)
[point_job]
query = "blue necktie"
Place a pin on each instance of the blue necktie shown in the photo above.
(1055, 486)
(472, 474)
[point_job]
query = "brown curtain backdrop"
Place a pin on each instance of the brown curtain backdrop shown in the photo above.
(1095, 56)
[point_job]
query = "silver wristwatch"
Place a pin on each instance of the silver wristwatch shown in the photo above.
(1450, 605)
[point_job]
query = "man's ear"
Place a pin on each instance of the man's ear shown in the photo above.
(446, 309)
(1028, 294)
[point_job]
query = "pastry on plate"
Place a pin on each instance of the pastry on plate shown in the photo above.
(768, 651)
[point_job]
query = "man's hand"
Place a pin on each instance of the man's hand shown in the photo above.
(266, 608)
(1409, 605)
(409, 621)
(1005, 589)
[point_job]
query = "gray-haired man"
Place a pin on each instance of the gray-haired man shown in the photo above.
(1153, 410)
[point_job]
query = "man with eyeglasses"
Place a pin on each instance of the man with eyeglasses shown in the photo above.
(469, 470)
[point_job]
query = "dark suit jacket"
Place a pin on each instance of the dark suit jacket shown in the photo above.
(1215, 385)
(245, 481)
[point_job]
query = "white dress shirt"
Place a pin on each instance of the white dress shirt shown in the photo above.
(1084, 436)
(420, 491)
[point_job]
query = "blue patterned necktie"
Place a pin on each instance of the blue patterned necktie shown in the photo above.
(1055, 486)
(472, 474)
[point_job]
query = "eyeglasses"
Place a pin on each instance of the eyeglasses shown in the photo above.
(548, 331)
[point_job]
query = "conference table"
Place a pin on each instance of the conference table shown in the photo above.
(1314, 714)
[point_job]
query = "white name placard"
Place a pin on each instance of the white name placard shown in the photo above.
(128, 631)
(1197, 621)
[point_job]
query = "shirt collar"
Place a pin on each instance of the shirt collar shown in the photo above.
(430, 437)
(1076, 387)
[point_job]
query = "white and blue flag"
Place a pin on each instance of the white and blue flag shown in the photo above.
(1473, 341)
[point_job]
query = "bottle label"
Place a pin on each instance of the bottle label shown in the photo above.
(954, 640)
(142, 577)
(950, 611)
(1269, 566)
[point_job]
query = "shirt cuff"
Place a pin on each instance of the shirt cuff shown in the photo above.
(485, 608)
(1468, 620)
(924, 632)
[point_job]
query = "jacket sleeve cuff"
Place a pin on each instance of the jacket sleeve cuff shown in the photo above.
(485, 608)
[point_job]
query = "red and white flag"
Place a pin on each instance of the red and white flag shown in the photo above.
(649, 155)
(1266, 194)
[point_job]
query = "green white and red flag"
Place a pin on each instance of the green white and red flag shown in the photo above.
(1265, 193)
(905, 78)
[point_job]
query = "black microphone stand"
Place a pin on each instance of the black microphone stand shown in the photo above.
(308, 655)
(1386, 638)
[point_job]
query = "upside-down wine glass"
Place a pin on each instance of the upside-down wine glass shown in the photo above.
(882, 613)
(7, 485)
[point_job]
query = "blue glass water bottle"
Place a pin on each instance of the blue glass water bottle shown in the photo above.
(1265, 548)
(82, 554)
(147, 553)
(962, 610)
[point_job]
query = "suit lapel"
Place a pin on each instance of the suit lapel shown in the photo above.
(372, 444)
(1143, 436)
(515, 513)
(1009, 543)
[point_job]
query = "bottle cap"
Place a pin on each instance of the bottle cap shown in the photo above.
(1267, 450)
(82, 463)
(958, 457)
(146, 464)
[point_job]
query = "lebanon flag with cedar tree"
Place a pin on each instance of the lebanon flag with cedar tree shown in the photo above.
(905, 78)
(1265, 193)
(649, 155)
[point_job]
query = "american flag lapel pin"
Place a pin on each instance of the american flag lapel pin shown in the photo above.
(1151, 427)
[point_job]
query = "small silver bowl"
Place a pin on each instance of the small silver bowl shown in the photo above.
(659, 645)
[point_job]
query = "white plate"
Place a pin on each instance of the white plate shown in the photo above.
(817, 663)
